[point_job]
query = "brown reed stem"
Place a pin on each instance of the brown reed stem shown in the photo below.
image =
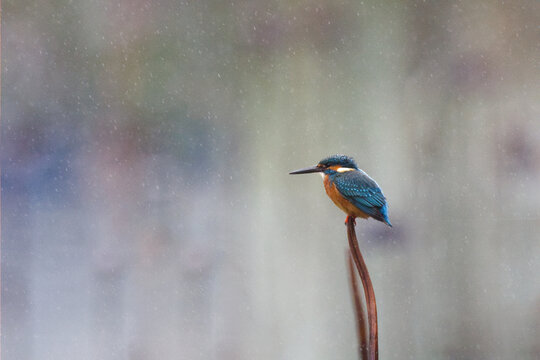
(358, 309)
(373, 345)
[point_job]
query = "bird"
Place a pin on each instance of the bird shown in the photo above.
(350, 188)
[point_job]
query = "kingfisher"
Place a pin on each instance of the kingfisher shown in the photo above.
(350, 188)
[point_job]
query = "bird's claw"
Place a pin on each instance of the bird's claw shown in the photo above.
(350, 218)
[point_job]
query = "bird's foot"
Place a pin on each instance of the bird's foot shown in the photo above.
(350, 218)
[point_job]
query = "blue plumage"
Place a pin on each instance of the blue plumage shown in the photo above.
(363, 192)
(341, 160)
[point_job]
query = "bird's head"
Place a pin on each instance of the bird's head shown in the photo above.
(330, 165)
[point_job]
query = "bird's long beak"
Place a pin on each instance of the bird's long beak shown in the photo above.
(308, 170)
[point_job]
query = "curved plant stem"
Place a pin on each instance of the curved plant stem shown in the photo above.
(373, 345)
(358, 310)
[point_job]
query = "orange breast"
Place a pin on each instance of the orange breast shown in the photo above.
(340, 201)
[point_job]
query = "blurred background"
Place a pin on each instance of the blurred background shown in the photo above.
(147, 210)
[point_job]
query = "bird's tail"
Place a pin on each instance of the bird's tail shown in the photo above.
(384, 215)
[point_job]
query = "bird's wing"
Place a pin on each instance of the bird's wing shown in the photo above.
(362, 191)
